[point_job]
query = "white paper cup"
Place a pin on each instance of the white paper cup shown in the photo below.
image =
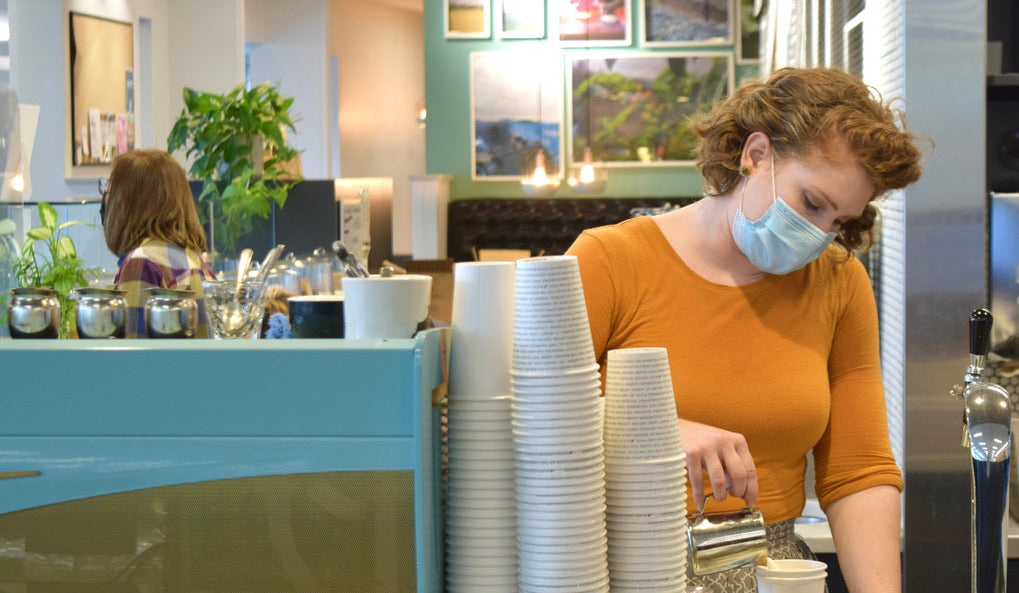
(556, 495)
(491, 402)
(476, 535)
(586, 383)
(553, 469)
(381, 308)
(482, 588)
(807, 584)
(666, 467)
(534, 584)
(467, 458)
(792, 568)
(481, 338)
(566, 377)
(499, 477)
(477, 579)
(483, 522)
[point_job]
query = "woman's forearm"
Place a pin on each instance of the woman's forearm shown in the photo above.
(865, 526)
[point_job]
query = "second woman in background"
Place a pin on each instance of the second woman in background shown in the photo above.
(152, 226)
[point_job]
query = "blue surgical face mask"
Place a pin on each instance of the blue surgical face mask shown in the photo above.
(780, 241)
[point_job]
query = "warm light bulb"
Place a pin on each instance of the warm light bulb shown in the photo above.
(18, 182)
(587, 173)
(539, 177)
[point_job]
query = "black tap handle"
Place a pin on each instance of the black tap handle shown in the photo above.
(980, 321)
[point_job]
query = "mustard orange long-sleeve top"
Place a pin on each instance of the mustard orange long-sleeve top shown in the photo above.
(791, 362)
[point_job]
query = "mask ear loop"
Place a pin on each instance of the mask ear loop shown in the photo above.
(774, 191)
(746, 180)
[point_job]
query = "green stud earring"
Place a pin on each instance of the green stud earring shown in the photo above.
(744, 171)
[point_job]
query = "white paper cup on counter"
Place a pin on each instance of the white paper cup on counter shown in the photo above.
(385, 307)
(795, 584)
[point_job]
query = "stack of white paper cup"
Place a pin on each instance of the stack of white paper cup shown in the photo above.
(645, 474)
(481, 515)
(557, 433)
(480, 505)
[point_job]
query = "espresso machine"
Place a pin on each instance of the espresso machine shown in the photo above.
(987, 435)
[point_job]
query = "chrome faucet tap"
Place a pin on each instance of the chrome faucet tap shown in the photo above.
(987, 434)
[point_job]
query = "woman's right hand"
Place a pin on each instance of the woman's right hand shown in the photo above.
(724, 457)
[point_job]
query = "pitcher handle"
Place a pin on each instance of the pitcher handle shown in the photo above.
(704, 504)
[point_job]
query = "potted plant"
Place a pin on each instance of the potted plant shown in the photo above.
(237, 141)
(56, 264)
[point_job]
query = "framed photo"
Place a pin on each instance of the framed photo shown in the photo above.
(468, 19)
(592, 23)
(516, 109)
(637, 109)
(100, 99)
(749, 38)
(676, 23)
(520, 19)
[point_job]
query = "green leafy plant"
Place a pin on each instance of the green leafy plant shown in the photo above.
(225, 135)
(49, 258)
(9, 254)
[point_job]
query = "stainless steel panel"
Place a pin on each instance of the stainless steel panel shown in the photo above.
(945, 278)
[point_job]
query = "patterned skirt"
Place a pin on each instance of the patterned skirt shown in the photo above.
(782, 543)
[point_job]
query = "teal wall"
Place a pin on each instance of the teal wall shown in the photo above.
(448, 140)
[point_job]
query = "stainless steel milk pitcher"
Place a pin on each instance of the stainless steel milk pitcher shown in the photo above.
(720, 541)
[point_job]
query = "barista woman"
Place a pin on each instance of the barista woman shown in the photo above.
(152, 226)
(769, 320)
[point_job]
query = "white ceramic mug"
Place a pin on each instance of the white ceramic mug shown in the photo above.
(390, 307)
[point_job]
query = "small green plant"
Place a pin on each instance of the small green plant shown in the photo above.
(224, 134)
(49, 258)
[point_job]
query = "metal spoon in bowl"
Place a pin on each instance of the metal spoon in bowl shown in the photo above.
(243, 263)
(269, 261)
(234, 312)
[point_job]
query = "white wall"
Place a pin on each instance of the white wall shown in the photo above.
(189, 46)
(288, 46)
(381, 85)
(206, 53)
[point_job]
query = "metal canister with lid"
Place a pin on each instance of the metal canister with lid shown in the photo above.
(171, 313)
(101, 313)
(33, 313)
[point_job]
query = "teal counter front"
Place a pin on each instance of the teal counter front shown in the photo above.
(295, 462)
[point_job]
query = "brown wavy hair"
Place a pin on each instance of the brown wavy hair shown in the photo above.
(149, 196)
(808, 113)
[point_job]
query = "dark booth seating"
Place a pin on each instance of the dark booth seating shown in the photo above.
(547, 225)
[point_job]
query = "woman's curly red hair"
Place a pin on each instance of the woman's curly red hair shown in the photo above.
(803, 112)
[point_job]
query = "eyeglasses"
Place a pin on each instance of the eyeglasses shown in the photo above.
(104, 188)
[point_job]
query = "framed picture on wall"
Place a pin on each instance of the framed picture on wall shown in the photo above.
(468, 19)
(520, 19)
(516, 109)
(100, 101)
(676, 23)
(748, 40)
(592, 22)
(635, 109)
